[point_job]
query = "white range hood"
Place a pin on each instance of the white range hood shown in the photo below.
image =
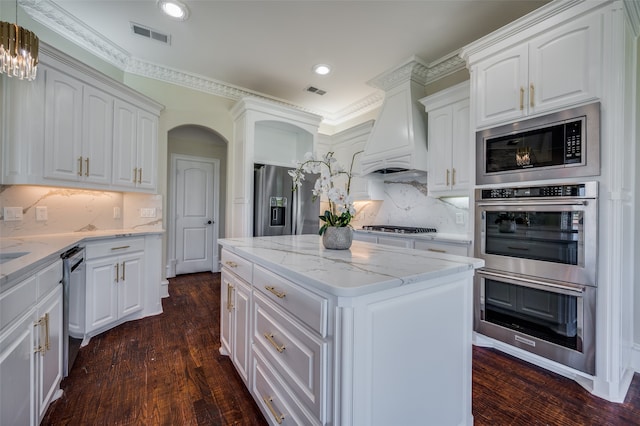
(398, 140)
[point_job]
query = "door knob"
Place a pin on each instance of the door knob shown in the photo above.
(209, 222)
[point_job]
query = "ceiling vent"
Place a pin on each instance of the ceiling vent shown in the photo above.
(315, 90)
(152, 34)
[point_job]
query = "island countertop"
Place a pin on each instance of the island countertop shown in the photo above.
(364, 268)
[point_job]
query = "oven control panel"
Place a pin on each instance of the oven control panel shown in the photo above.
(575, 190)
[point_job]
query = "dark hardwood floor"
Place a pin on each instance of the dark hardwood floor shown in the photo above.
(166, 370)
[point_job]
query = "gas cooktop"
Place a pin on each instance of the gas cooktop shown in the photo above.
(398, 229)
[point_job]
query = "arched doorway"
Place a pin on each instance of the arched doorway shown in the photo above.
(197, 161)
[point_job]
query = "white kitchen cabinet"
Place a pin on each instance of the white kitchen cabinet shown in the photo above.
(345, 145)
(134, 147)
(235, 311)
(78, 130)
(31, 346)
(450, 141)
(114, 282)
(556, 69)
(22, 130)
(459, 249)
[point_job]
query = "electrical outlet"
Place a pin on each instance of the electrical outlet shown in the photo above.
(42, 213)
(460, 218)
(148, 212)
(12, 214)
(116, 212)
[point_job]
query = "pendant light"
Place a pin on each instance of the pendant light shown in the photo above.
(18, 50)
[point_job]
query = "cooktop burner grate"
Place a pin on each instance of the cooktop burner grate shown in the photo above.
(398, 229)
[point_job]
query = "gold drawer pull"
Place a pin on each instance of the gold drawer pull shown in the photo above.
(278, 417)
(135, 174)
(521, 98)
(231, 264)
(269, 337)
(120, 248)
(86, 172)
(80, 166)
(140, 175)
(47, 343)
(447, 183)
(453, 177)
(123, 269)
(229, 297)
(272, 289)
(436, 250)
(117, 272)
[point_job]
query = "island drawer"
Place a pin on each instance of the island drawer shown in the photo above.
(239, 266)
(278, 403)
(309, 307)
(296, 353)
(16, 300)
(113, 247)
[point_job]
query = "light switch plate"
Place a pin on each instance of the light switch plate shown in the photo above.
(12, 214)
(148, 212)
(116, 212)
(460, 218)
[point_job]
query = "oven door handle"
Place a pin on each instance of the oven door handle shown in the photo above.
(531, 203)
(567, 288)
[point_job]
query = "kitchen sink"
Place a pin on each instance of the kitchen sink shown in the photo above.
(6, 257)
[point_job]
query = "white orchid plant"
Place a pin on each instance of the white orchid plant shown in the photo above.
(341, 209)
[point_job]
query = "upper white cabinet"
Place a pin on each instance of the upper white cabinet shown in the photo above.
(60, 129)
(558, 68)
(135, 150)
(78, 130)
(345, 145)
(450, 140)
(22, 130)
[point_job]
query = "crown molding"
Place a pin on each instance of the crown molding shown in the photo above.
(49, 14)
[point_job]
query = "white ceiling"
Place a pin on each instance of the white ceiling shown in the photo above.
(269, 46)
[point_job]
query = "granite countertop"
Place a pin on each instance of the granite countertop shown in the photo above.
(42, 249)
(435, 236)
(363, 269)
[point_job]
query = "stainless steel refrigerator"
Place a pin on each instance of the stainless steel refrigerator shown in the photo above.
(277, 210)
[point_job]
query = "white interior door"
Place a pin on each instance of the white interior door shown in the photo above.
(195, 227)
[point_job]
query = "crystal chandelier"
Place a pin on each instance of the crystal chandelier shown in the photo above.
(18, 50)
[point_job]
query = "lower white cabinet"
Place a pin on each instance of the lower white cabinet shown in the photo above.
(436, 246)
(114, 284)
(317, 358)
(235, 321)
(459, 249)
(31, 346)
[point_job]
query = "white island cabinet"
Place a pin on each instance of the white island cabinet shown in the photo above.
(374, 335)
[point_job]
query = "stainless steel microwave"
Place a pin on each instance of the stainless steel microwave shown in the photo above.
(564, 144)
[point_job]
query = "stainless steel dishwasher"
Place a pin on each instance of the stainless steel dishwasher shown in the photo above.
(73, 284)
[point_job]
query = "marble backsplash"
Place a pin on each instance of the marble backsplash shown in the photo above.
(74, 210)
(406, 203)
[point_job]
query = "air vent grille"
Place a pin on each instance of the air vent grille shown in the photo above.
(150, 33)
(315, 90)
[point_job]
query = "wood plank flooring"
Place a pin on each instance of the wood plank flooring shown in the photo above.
(166, 370)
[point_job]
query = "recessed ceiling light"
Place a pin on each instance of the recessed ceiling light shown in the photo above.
(174, 9)
(322, 69)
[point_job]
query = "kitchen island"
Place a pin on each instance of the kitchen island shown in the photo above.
(374, 335)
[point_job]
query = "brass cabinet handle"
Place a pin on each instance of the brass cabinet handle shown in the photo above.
(120, 247)
(140, 175)
(229, 296)
(269, 337)
(447, 177)
(272, 289)
(521, 98)
(47, 343)
(277, 417)
(40, 349)
(453, 177)
(117, 272)
(80, 166)
(123, 268)
(135, 174)
(231, 264)
(531, 95)
(86, 172)
(436, 250)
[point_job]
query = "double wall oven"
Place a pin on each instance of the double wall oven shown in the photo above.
(538, 288)
(539, 240)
